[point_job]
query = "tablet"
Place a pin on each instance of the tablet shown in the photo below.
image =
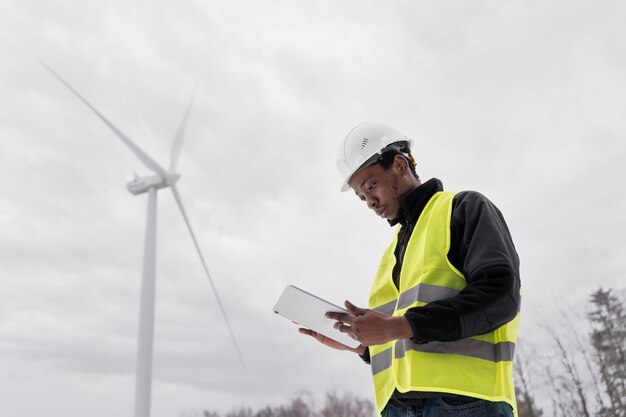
(308, 310)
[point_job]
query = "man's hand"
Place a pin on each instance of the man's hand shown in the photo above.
(371, 327)
(326, 341)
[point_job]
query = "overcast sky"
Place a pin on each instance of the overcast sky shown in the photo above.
(523, 101)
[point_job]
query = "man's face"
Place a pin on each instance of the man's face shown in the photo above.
(381, 189)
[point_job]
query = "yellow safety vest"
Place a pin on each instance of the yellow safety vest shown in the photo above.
(479, 366)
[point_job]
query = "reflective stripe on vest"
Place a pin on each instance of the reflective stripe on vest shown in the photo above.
(480, 349)
(424, 293)
(478, 366)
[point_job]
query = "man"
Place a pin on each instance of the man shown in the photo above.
(443, 314)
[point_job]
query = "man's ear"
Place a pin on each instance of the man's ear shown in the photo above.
(400, 163)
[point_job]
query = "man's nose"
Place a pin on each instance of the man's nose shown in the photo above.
(371, 202)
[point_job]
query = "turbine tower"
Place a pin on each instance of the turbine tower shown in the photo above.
(150, 185)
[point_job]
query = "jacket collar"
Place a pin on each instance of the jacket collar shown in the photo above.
(412, 203)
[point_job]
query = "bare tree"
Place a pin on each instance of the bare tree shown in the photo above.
(608, 338)
(526, 406)
(570, 393)
(346, 406)
(573, 385)
(303, 405)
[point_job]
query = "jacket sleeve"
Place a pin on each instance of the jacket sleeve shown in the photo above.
(366, 356)
(482, 249)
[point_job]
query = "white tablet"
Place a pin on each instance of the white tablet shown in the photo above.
(308, 310)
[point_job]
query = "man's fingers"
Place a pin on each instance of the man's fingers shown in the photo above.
(357, 311)
(342, 327)
(308, 332)
(338, 316)
(348, 320)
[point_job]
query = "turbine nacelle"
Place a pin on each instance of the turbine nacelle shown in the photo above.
(141, 185)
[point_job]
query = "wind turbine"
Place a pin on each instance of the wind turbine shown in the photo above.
(151, 184)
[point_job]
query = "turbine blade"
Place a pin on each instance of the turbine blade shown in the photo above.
(180, 135)
(208, 274)
(147, 161)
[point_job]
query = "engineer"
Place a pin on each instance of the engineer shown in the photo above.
(441, 324)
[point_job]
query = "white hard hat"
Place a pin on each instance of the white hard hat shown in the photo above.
(363, 146)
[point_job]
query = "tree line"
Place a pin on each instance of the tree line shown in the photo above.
(583, 373)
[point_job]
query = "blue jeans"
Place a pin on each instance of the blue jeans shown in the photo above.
(451, 406)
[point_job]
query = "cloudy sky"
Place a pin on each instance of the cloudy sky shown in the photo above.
(523, 101)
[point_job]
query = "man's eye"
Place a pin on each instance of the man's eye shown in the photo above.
(371, 186)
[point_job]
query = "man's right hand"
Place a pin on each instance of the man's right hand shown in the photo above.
(327, 341)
